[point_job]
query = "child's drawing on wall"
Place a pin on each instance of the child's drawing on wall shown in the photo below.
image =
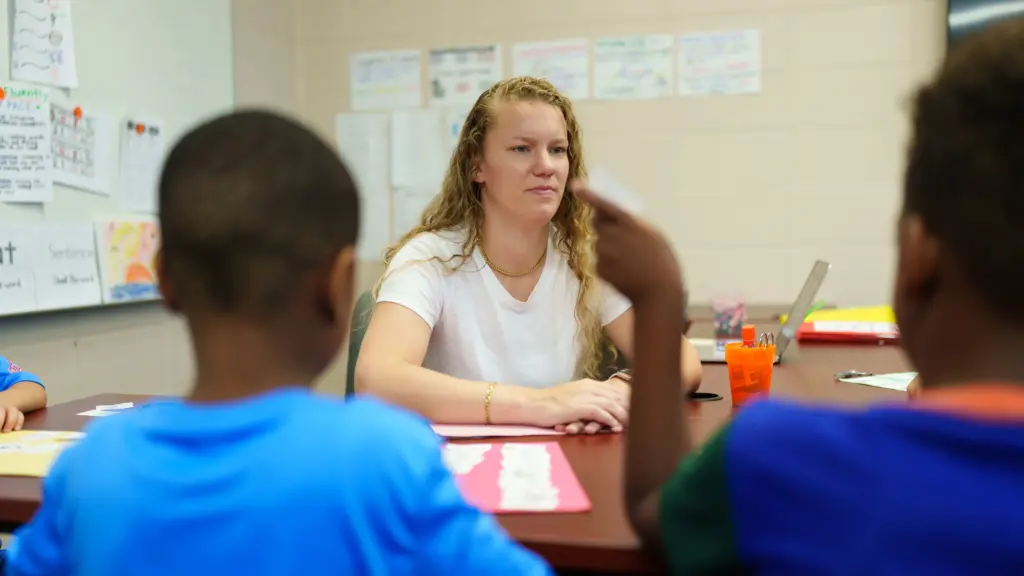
(127, 251)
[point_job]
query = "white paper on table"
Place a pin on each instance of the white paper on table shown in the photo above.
(43, 43)
(18, 249)
(385, 80)
(564, 63)
(66, 267)
(83, 149)
(604, 185)
(896, 381)
(727, 62)
(142, 155)
(457, 76)
(363, 143)
(634, 67)
(419, 157)
(121, 406)
(96, 413)
(26, 163)
(491, 431)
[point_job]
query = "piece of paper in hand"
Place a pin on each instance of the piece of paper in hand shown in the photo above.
(604, 185)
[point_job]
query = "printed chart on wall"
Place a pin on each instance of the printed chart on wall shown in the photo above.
(25, 157)
(83, 142)
(142, 153)
(363, 143)
(633, 67)
(385, 80)
(720, 63)
(459, 75)
(126, 252)
(17, 280)
(42, 43)
(418, 162)
(65, 269)
(564, 63)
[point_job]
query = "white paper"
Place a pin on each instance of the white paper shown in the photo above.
(564, 63)
(96, 413)
(363, 143)
(43, 43)
(454, 119)
(458, 76)
(525, 478)
(896, 381)
(121, 406)
(83, 149)
(66, 269)
(17, 281)
(839, 327)
(461, 459)
(490, 431)
(385, 80)
(605, 186)
(142, 154)
(409, 205)
(419, 157)
(633, 67)
(26, 166)
(726, 62)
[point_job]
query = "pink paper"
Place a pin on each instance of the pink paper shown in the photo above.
(493, 431)
(487, 484)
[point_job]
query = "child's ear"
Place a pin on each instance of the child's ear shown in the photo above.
(341, 285)
(166, 290)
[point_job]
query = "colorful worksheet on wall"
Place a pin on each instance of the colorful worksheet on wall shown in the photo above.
(727, 62)
(84, 142)
(363, 144)
(633, 67)
(26, 166)
(66, 270)
(516, 477)
(564, 63)
(142, 155)
(458, 76)
(17, 278)
(43, 43)
(126, 251)
(385, 80)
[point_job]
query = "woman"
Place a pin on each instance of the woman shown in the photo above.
(490, 310)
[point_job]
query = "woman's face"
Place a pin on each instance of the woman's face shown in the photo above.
(525, 161)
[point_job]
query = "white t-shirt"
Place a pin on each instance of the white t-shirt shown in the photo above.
(479, 331)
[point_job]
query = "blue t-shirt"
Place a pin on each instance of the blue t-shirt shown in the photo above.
(285, 483)
(11, 374)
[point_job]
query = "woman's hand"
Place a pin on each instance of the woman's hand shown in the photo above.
(599, 404)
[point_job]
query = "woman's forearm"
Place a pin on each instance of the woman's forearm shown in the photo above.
(446, 399)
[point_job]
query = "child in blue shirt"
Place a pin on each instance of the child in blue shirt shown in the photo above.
(252, 473)
(20, 392)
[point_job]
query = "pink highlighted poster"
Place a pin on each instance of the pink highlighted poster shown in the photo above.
(516, 477)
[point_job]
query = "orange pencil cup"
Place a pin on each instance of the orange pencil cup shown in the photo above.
(750, 366)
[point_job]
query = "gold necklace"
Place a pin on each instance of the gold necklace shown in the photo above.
(513, 274)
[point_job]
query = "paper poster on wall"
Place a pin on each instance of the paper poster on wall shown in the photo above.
(419, 157)
(17, 281)
(459, 75)
(726, 62)
(142, 156)
(26, 166)
(409, 204)
(126, 251)
(66, 269)
(83, 144)
(564, 63)
(454, 119)
(385, 80)
(633, 67)
(43, 43)
(363, 144)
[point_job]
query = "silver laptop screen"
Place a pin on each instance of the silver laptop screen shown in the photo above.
(801, 306)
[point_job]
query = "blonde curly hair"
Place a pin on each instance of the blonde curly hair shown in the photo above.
(459, 206)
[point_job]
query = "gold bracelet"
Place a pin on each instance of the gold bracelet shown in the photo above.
(487, 402)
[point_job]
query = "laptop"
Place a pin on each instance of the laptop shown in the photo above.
(712, 351)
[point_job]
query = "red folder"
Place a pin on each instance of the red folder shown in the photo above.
(851, 332)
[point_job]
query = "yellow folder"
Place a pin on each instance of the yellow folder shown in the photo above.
(879, 314)
(32, 452)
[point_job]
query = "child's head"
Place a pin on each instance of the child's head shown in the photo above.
(961, 238)
(259, 220)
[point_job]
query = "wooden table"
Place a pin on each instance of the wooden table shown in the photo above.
(601, 539)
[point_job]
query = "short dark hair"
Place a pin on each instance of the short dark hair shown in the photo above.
(965, 170)
(250, 204)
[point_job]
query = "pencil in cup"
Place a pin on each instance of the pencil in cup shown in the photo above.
(750, 369)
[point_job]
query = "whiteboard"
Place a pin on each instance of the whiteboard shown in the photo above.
(166, 60)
